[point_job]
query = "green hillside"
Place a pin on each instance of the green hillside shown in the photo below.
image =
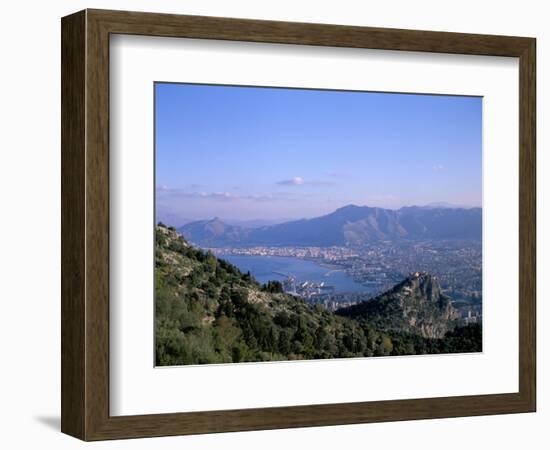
(207, 311)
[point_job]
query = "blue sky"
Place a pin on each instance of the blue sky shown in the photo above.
(244, 153)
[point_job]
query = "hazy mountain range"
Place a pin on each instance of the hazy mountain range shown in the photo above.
(349, 225)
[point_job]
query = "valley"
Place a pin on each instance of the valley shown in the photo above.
(394, 243)
(209, 311)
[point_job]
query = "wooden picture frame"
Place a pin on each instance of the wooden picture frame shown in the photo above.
(85, 224)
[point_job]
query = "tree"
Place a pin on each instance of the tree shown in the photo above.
(274, 287)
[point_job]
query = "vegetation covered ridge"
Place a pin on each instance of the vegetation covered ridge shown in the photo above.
(208, 311)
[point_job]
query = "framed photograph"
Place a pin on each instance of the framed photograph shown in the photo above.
(272, 225)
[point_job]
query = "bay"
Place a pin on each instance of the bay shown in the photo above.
(266, 268)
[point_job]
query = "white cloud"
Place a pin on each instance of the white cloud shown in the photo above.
(295, 181)
(438, 167)
(177, 194)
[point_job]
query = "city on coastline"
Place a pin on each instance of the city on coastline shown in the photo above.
(379, 266)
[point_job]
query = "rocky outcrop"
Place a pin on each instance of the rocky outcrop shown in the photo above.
(414, 305)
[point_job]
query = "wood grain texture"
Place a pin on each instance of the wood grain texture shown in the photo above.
(151, 24)
(97, 225)
(527, 224)
(85, 224)
(73, 109)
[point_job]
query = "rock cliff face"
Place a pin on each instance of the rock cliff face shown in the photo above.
(414, 305)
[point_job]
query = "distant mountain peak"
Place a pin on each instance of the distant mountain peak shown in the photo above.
(349, 207)
(349, 225)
